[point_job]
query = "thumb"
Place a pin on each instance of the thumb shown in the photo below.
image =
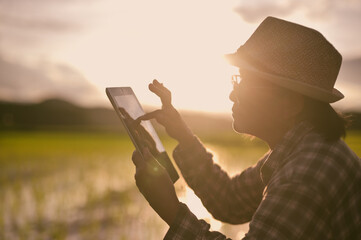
(137, 159)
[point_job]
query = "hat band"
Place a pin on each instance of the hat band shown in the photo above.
(256, 63)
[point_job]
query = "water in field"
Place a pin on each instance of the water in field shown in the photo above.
(56, 185)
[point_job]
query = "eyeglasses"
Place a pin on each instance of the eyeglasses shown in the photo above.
(236, 80)
(249, 90)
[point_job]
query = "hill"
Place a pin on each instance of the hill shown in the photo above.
(55, 114)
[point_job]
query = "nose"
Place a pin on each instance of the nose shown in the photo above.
(232, 96)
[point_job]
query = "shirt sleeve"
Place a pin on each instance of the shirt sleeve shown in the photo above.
(232, 200)
(288, 211)
(187, 226)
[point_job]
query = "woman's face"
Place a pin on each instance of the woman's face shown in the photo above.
(258, 106)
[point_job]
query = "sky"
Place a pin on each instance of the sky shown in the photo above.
(73, 49)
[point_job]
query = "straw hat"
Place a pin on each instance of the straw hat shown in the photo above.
(292, 56)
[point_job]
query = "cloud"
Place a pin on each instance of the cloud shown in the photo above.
(349, 83)
(37, 23)
(33, 30)
(40, 23)
(257, 10)
(38, 15)
(22, 83)
(338, 21)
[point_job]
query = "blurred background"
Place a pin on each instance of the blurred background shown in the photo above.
(65, 159)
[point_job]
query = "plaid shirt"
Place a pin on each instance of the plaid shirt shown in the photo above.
(306, 188)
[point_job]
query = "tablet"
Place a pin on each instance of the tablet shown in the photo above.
(142, 134)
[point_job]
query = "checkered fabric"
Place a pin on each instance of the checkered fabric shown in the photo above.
(305, 188)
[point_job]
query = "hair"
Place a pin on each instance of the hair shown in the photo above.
(326, 120)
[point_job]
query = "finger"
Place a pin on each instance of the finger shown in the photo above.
(160, 87)
(161, 119)
(155, 81)
(137, 121)
(164, 95)
(150, 115)
(160, 90)
(159, 84)
(163, 89)
(138, 159)
(156, 89)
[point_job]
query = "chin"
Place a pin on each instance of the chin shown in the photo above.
(237, 127)
(243, 131)
(241, 126)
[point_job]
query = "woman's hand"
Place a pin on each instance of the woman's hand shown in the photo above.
(156, 186)
(168, 116)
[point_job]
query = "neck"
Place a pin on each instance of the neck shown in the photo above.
(274, 136)
(273, 140)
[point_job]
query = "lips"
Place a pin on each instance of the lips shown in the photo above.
(233, 114)
(235, 108)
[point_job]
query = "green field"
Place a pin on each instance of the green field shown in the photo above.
(65, 185)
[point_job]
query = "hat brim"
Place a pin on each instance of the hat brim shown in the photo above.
(296, 86)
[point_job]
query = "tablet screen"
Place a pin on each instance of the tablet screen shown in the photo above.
(133, 108)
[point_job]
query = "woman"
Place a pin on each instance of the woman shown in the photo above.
(307, 186)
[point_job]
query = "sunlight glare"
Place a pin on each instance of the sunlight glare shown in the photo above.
(130, 46)
(195, 204)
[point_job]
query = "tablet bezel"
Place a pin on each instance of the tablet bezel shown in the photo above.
(112, 92)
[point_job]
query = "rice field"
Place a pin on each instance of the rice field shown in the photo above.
(80, 185)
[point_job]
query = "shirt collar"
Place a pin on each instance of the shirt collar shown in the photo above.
(277, 157)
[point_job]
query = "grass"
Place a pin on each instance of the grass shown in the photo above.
(353, 139)
(49, 179)
(80, 185)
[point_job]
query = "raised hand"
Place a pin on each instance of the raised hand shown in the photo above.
(167, 116)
